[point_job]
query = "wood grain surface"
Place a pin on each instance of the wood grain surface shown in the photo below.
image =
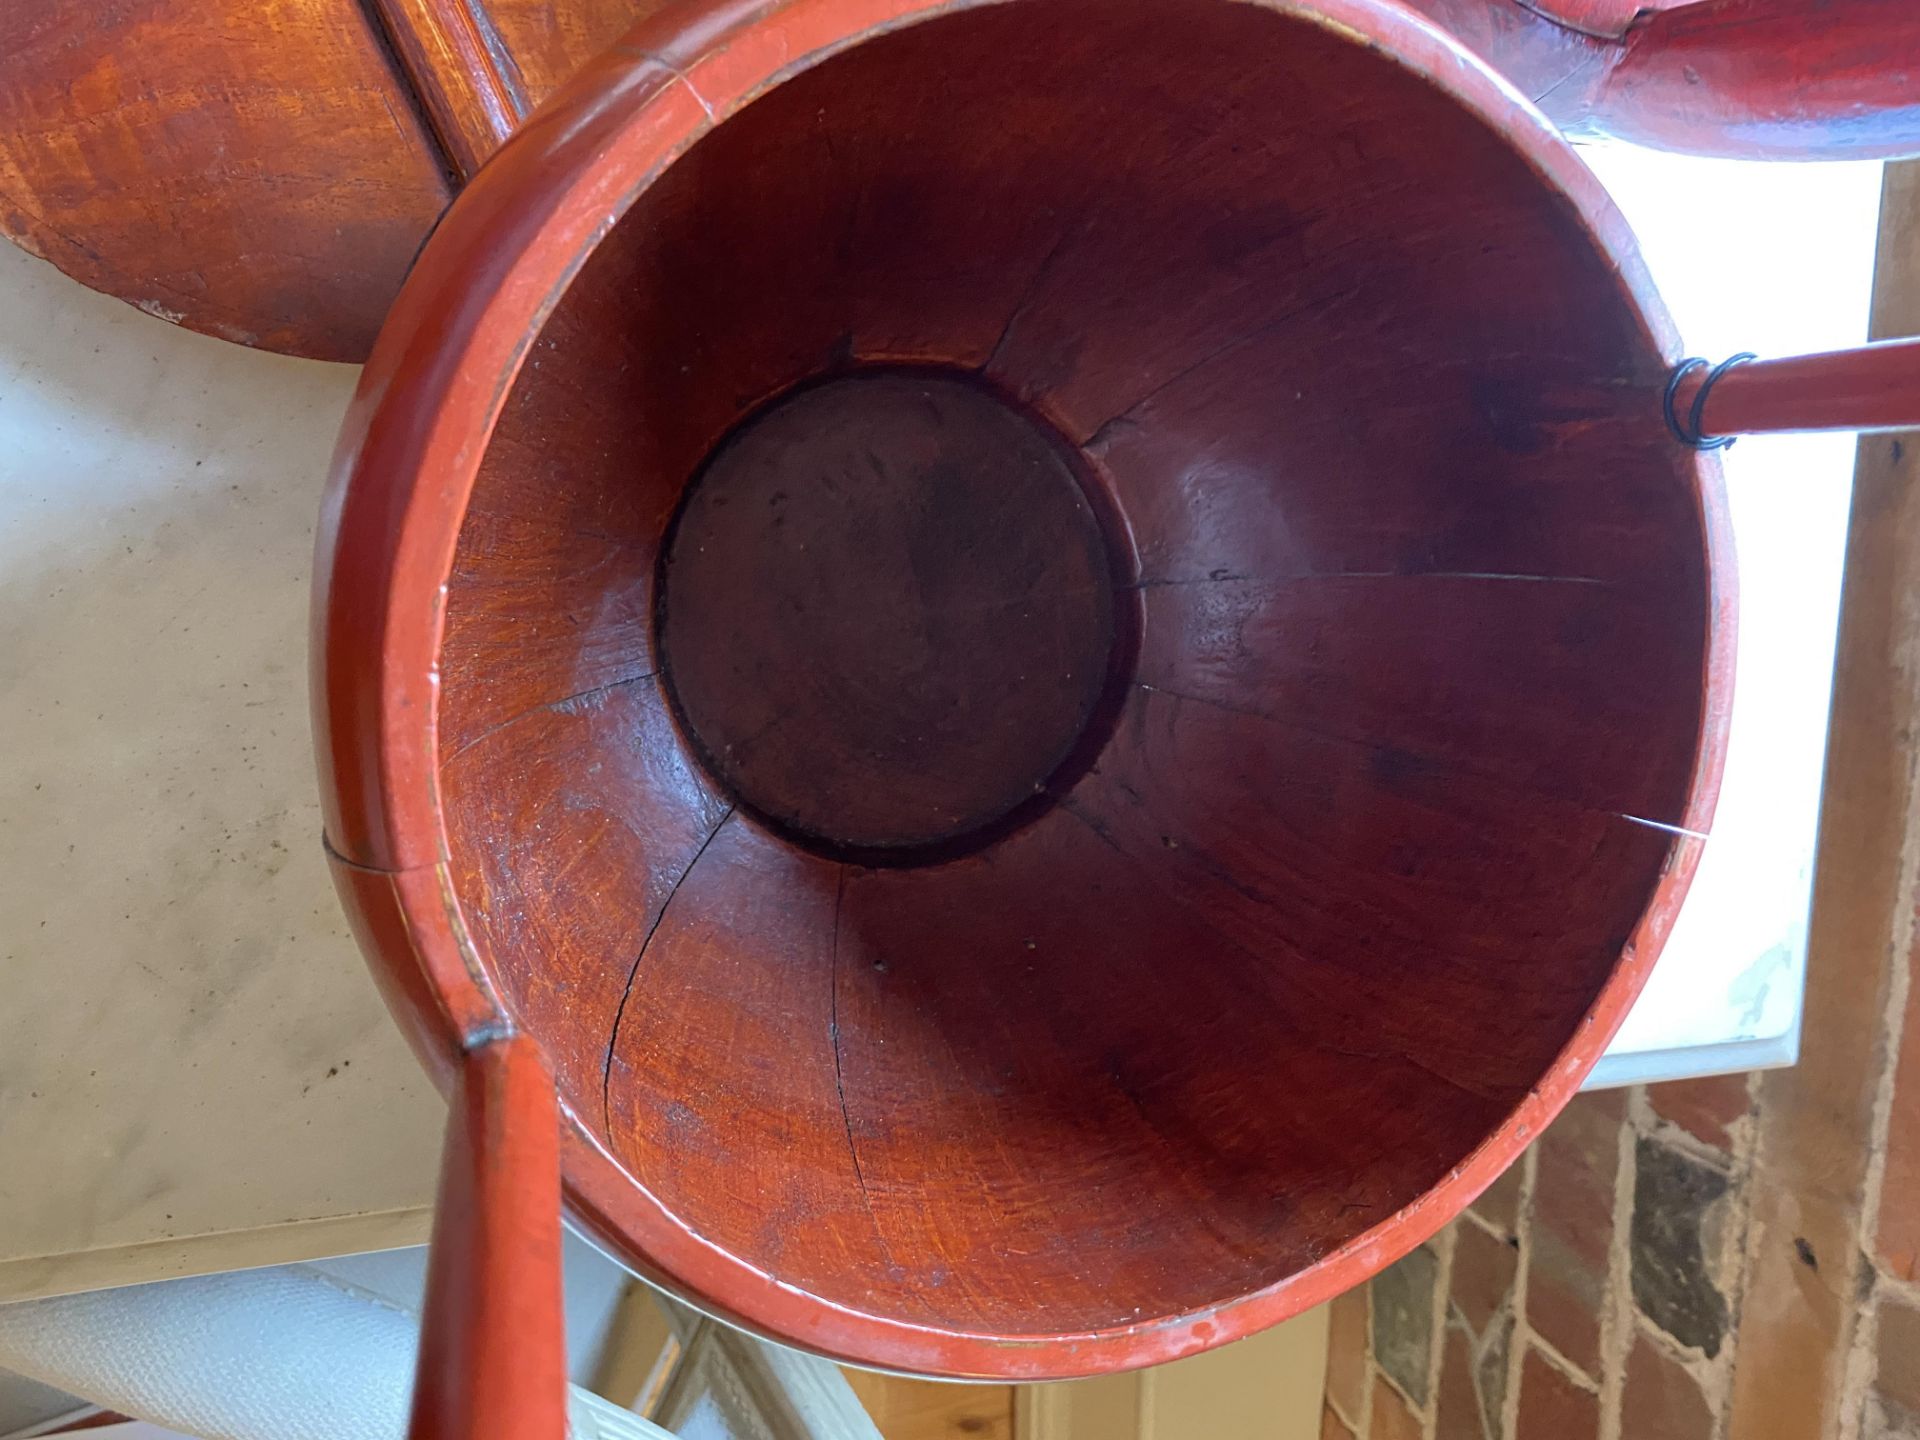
(265, 172)
(905, 1409)
(255, 171)
(931, 629)
(466, 83)
(1360, 378)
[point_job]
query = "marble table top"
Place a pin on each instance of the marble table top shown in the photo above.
(195, 1070)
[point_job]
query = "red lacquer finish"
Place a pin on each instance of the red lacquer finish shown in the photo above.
(1071, 703)
(1770, 80)
(493, 1363)
(1871, 387)
(1747, 79)
(266, 172)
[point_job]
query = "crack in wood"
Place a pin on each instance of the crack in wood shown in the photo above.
(619, 1014)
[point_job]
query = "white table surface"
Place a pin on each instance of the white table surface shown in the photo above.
(195, 1070)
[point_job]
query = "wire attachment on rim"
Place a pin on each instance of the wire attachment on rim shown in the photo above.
(1690, 434)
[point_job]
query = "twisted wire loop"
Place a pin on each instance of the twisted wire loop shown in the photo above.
(1689, 431)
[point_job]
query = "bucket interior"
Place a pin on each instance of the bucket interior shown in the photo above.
(1055, 672)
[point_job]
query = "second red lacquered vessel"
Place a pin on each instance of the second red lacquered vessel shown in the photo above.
(1051, 656)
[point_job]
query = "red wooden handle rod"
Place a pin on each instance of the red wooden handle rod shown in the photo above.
(1873, 387)
(1761, 79)
(493, 1350)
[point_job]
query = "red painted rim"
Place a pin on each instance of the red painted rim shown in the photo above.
(406, 464)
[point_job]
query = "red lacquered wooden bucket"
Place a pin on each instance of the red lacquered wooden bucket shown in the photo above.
(1049, 661)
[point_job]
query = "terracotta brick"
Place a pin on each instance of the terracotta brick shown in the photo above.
(1799, 1301)
(1573, 1222)
(1662, 1401)
(1392, 1418)
(1706, 1109)
(1332, 1427)
(1483, 1269)
(1552, 1407)
(1578, 1157)
(1347, 1351)
(1402, 1305)
(1499, 1203)
(1457, 1410)
(1607, 1104)
(1563, 1304)
(1796, 1318)
(1897, 1371)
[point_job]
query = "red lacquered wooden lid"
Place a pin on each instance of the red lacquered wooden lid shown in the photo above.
(1055, 651)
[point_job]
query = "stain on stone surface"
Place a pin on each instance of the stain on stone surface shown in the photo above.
(1674, 1197)
(1885, 1420)
(1403, 1321)
(1490, 1374)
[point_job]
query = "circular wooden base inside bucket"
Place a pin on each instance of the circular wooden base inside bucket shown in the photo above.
(887, 615)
